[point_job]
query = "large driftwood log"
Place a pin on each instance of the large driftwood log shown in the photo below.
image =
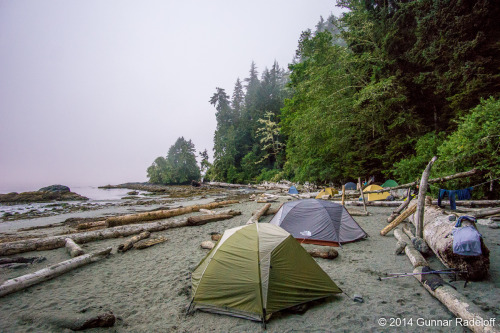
(223, 212)
(162, 214)
(255, 218)
(202, 219)
(470, 203)
(419, 214)
(374, 203)
(73, 322)
(54, 242)
(50, 272)
(409, 211)
(486, 212)
(74, 249)
(129, 243)
(438, 235)
(467, 313)
(355, 212)
(430, 181)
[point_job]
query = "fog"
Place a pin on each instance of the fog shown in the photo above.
(91, 92)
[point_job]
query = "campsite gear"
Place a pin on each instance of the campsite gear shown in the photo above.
(398, 275)
(350, 186)
(389, 183)
(466, 240)
(375, 196)
(256, 270)
(327, 191)
(358, 298)
(293, 190)
(318, 222)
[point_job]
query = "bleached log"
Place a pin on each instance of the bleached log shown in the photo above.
(129, 243)
(330, 254)
(400, 208)
(262, 211)
(415, 257)
(374, 203)
(486, 212)
(202, 219)
(90, 225)
(470, 203)
(355, 212)
(343, 194)
(419, 214)
(50, 272)
(467, 313)
(162, 214)
(145, 243)
(409, 211)
(438, 235)
(362, 194)
(74, 249)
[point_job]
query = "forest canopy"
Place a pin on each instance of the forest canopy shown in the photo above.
(377, 91)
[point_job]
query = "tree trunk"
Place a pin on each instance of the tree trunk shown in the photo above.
(438, 235)
(74, 249)
(421, 198)
(129, 243)
(162, 214)
(50, 272)
(343, 194)
(409, 211)
(262, 211)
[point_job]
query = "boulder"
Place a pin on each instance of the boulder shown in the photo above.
(55, 189)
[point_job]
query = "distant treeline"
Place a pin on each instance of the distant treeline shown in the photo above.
(378, 91)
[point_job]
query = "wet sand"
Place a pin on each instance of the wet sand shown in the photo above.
(148, 290)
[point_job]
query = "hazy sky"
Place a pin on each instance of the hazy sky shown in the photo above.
(91, 92)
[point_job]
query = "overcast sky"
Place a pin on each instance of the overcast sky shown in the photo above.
(91, 92)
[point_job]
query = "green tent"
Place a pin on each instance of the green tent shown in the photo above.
(390, 183)
(256, 270)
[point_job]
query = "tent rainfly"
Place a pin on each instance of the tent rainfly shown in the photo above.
(350, 186)
(255, 271)
(293, 190)
(389, 183)
(318, 222)
(327, 191)
(375, 196)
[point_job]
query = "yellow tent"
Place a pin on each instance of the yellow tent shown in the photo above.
(375, 196)
(327, 191)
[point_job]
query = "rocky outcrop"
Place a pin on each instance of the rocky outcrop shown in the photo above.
(55, 189)
(41, 196)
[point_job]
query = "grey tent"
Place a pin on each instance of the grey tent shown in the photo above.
(350, 186)
(318, 222)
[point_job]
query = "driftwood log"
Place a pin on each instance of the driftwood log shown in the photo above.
(73, 249)
(255, 218)
(467, 313)
(401, 207)
(355, 212)
(162, 214)
(409, 211)
(486, 212)
(438, 235)
(50, 272)
(54, 242)
(470, 203)
(362, 194)
(73, 322)
(415, 257)
(419, 214)
(330, 254)
(90, 225)
(145, 243)
(418, 243)
(223, 212)
(374, 203)
(203, 219)
(129, 243)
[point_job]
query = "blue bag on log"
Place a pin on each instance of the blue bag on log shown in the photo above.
(466, 240)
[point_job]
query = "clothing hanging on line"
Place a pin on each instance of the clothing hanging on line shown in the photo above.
(453, 195)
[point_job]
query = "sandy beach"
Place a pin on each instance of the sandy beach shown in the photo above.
(148, 290)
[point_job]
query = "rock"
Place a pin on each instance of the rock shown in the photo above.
(55, 189)
(133, 193)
